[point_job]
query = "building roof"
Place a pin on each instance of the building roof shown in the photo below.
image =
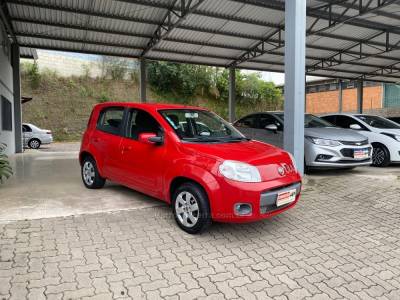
(345, 39)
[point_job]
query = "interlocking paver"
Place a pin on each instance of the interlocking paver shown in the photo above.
(341, 241)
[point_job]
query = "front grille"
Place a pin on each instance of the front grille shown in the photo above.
(268, 199)
(362, 143)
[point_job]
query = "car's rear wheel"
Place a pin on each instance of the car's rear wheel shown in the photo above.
(380, 156)
(191, 208)
(34, 144)
(90, 174)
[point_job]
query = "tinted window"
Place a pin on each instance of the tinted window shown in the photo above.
(378, 122)
(111, 119)
(265, 120)
(26, 128)
(141, 122)
(330, 119)
(345, 122)
(6, 114)
(247, 122)
(311, 121)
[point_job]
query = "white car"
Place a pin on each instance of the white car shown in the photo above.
(383, 134)
(34, 136)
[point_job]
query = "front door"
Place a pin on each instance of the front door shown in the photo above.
(143, 164)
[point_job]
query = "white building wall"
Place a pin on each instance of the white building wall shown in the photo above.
(6, 90)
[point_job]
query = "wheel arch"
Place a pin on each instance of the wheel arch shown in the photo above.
(178, 181)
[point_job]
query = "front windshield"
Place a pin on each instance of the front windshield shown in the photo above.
(311, 121)
(378, 122)
(200, 126)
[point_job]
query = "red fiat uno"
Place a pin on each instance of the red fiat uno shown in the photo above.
(190, 158)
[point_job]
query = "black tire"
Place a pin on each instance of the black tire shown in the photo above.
(380, 156)
(90, 174)
(186, 191)
(34, 144)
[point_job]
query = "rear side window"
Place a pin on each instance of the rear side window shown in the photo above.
(330, 119)
(111, 119)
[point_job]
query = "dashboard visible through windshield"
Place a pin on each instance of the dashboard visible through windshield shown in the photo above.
(200, 126)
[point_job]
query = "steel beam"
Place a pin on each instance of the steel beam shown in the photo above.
(5, 18)
(360, 96)
(175, 16)
(232, 94)
(17, 98)
(142, 80)
(340, 96)
(295, 54)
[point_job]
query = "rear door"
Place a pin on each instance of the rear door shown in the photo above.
(267, 136)
(26, 133)
(107, 138)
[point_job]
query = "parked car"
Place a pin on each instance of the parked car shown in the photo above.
(34, 136)
(383, 134)
(325, 146)
(395, 119)
(190, 158)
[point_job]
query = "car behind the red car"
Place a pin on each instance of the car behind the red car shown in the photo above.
(188, 157)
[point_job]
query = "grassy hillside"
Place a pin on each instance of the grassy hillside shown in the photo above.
(63, 105)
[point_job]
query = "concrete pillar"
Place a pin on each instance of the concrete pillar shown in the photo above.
(360, 96)
(340, 96)
(142, 80)
(295, 52)
(17, 98)
(232, 94)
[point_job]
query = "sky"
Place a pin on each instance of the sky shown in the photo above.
(277, 78)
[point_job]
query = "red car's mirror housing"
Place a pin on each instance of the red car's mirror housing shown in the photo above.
(150, 138)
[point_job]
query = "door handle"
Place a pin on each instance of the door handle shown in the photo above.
(126, 149)
(96, 140)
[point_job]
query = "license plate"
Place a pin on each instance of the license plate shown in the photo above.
(361, 153)
(286, 197)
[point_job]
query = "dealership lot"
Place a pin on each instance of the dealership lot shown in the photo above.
(341, 241)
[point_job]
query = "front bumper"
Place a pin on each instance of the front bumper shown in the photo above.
(261, 196)
(335, 157)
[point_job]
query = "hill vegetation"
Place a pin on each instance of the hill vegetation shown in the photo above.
(63, 104)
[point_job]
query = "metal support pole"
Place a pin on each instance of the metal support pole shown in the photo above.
(295, 53)
(360, 96)
(142, 80)
(17, 98)
(232, 94)
(340, 96)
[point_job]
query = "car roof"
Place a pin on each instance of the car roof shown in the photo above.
(149, 106)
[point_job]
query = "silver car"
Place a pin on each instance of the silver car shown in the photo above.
(326, 146)
(34, 137)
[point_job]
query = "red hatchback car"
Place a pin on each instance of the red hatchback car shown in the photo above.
(190, 158)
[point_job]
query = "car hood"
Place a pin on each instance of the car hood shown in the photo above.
(333, 133)
(266, 157)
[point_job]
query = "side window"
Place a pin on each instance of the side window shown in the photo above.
(247, 122)
(111, 119)
(345, 122)
(141, 122)
(265, 120)
(6, 114)
(26, 128)
(330, 119)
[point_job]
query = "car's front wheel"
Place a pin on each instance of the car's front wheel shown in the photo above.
(34, 144)
(90, 174)
(191, 208)
(380, 156)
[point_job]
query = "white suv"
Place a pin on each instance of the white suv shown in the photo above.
(383, 134)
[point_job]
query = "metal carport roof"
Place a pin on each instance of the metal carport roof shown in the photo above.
(345, 39)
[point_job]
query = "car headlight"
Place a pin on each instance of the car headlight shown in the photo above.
(239, 171)
(392, 135)
(293, 160)
(323, 142)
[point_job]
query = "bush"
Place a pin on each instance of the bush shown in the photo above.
(5, 168)
(31, 71)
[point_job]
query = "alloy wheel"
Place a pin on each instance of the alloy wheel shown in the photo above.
(378, 156)
(34, 144)
(88, 173)
(187, 209)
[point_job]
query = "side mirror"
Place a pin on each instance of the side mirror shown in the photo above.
(272, 127)
(355, 127)
(150, 138)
